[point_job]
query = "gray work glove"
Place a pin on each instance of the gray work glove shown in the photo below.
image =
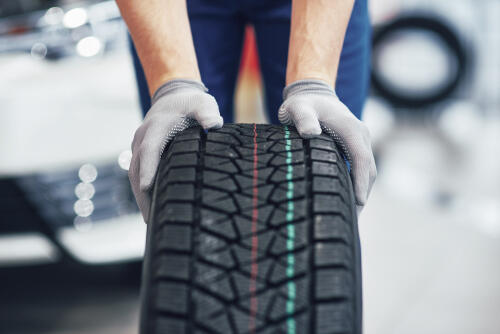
(312, 105)
(176, 105)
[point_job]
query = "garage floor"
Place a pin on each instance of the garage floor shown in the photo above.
(65, 300)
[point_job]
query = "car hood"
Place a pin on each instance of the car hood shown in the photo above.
(64, 113)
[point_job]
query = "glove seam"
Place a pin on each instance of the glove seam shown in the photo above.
(307, 85)
(176, 84)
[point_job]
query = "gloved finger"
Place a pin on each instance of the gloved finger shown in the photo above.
(359, 208)
(361, 180)
(141, 198)
(305, 119)
(138, 136)
(149, 155)
(354, 137)
(207, 113)
(362, 171)
(372, 175)
(154, 143)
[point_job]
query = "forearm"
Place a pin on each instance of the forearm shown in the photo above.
(162, 36)
(316, 37)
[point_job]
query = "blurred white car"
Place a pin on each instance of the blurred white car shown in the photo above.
(65, 133)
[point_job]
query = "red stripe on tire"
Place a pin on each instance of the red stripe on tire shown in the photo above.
(255, 240)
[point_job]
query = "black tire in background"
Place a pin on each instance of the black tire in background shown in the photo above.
(253, 230)
(445, 34)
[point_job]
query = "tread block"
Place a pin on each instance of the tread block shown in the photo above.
(223, 258)
(220, 288)
(331, 227)
(211, 195)
(301, 300)
(177, 212)
(264, 239)
(280, 174)
(264, 267)
(242, 283)
(333, 283)
(171, 297)
(184, 147)
(176, 175)
(333, 319)
(180, 192)
(219, 180)
(242, 319)
(174, 237)
(279, 272)
(265, 298)
(328, 185)
(299, 210)
(188, 134)
(332, 254)
(280, 158)
(330, 204)
(222, 137)
(227, 153)
(226, 205)
(281, 243)
(172, 266)
(246, 180)
(327, 156)
(220, 164)
(205, 273)
(244, 202)
(223, 228)
(323, 143)
(205, 305)
(244, 225)
(324, 168)
(169, 325)
(208, 243)
(280, 193)
(210, 216)
(263, 192)
(214, 147)
(301, 264)
(183, 160)
(220, 323)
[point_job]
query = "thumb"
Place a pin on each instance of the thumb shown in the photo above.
(359, 208)
(207, 114)
(305, 119)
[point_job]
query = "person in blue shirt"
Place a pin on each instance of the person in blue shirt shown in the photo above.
(314, 56)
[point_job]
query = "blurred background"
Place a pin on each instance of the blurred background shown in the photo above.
(71, 238)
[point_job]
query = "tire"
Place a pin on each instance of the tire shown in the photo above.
(445, 35)
(253, 230)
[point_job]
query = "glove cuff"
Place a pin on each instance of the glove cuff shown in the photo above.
(176, 84)
(308, 86)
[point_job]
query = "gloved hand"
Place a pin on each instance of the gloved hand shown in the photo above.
(312, 105)
(176, 105)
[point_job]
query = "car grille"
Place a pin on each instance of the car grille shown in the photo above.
(50, 198)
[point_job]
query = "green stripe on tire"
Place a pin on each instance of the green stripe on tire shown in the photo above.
(290, 304)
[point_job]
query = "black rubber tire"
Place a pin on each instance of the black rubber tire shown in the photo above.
(445, 34)
(215, 265)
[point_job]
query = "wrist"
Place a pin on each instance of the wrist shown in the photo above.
(158, 80)
(303, 70)
(315, 86)
(176, 84)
